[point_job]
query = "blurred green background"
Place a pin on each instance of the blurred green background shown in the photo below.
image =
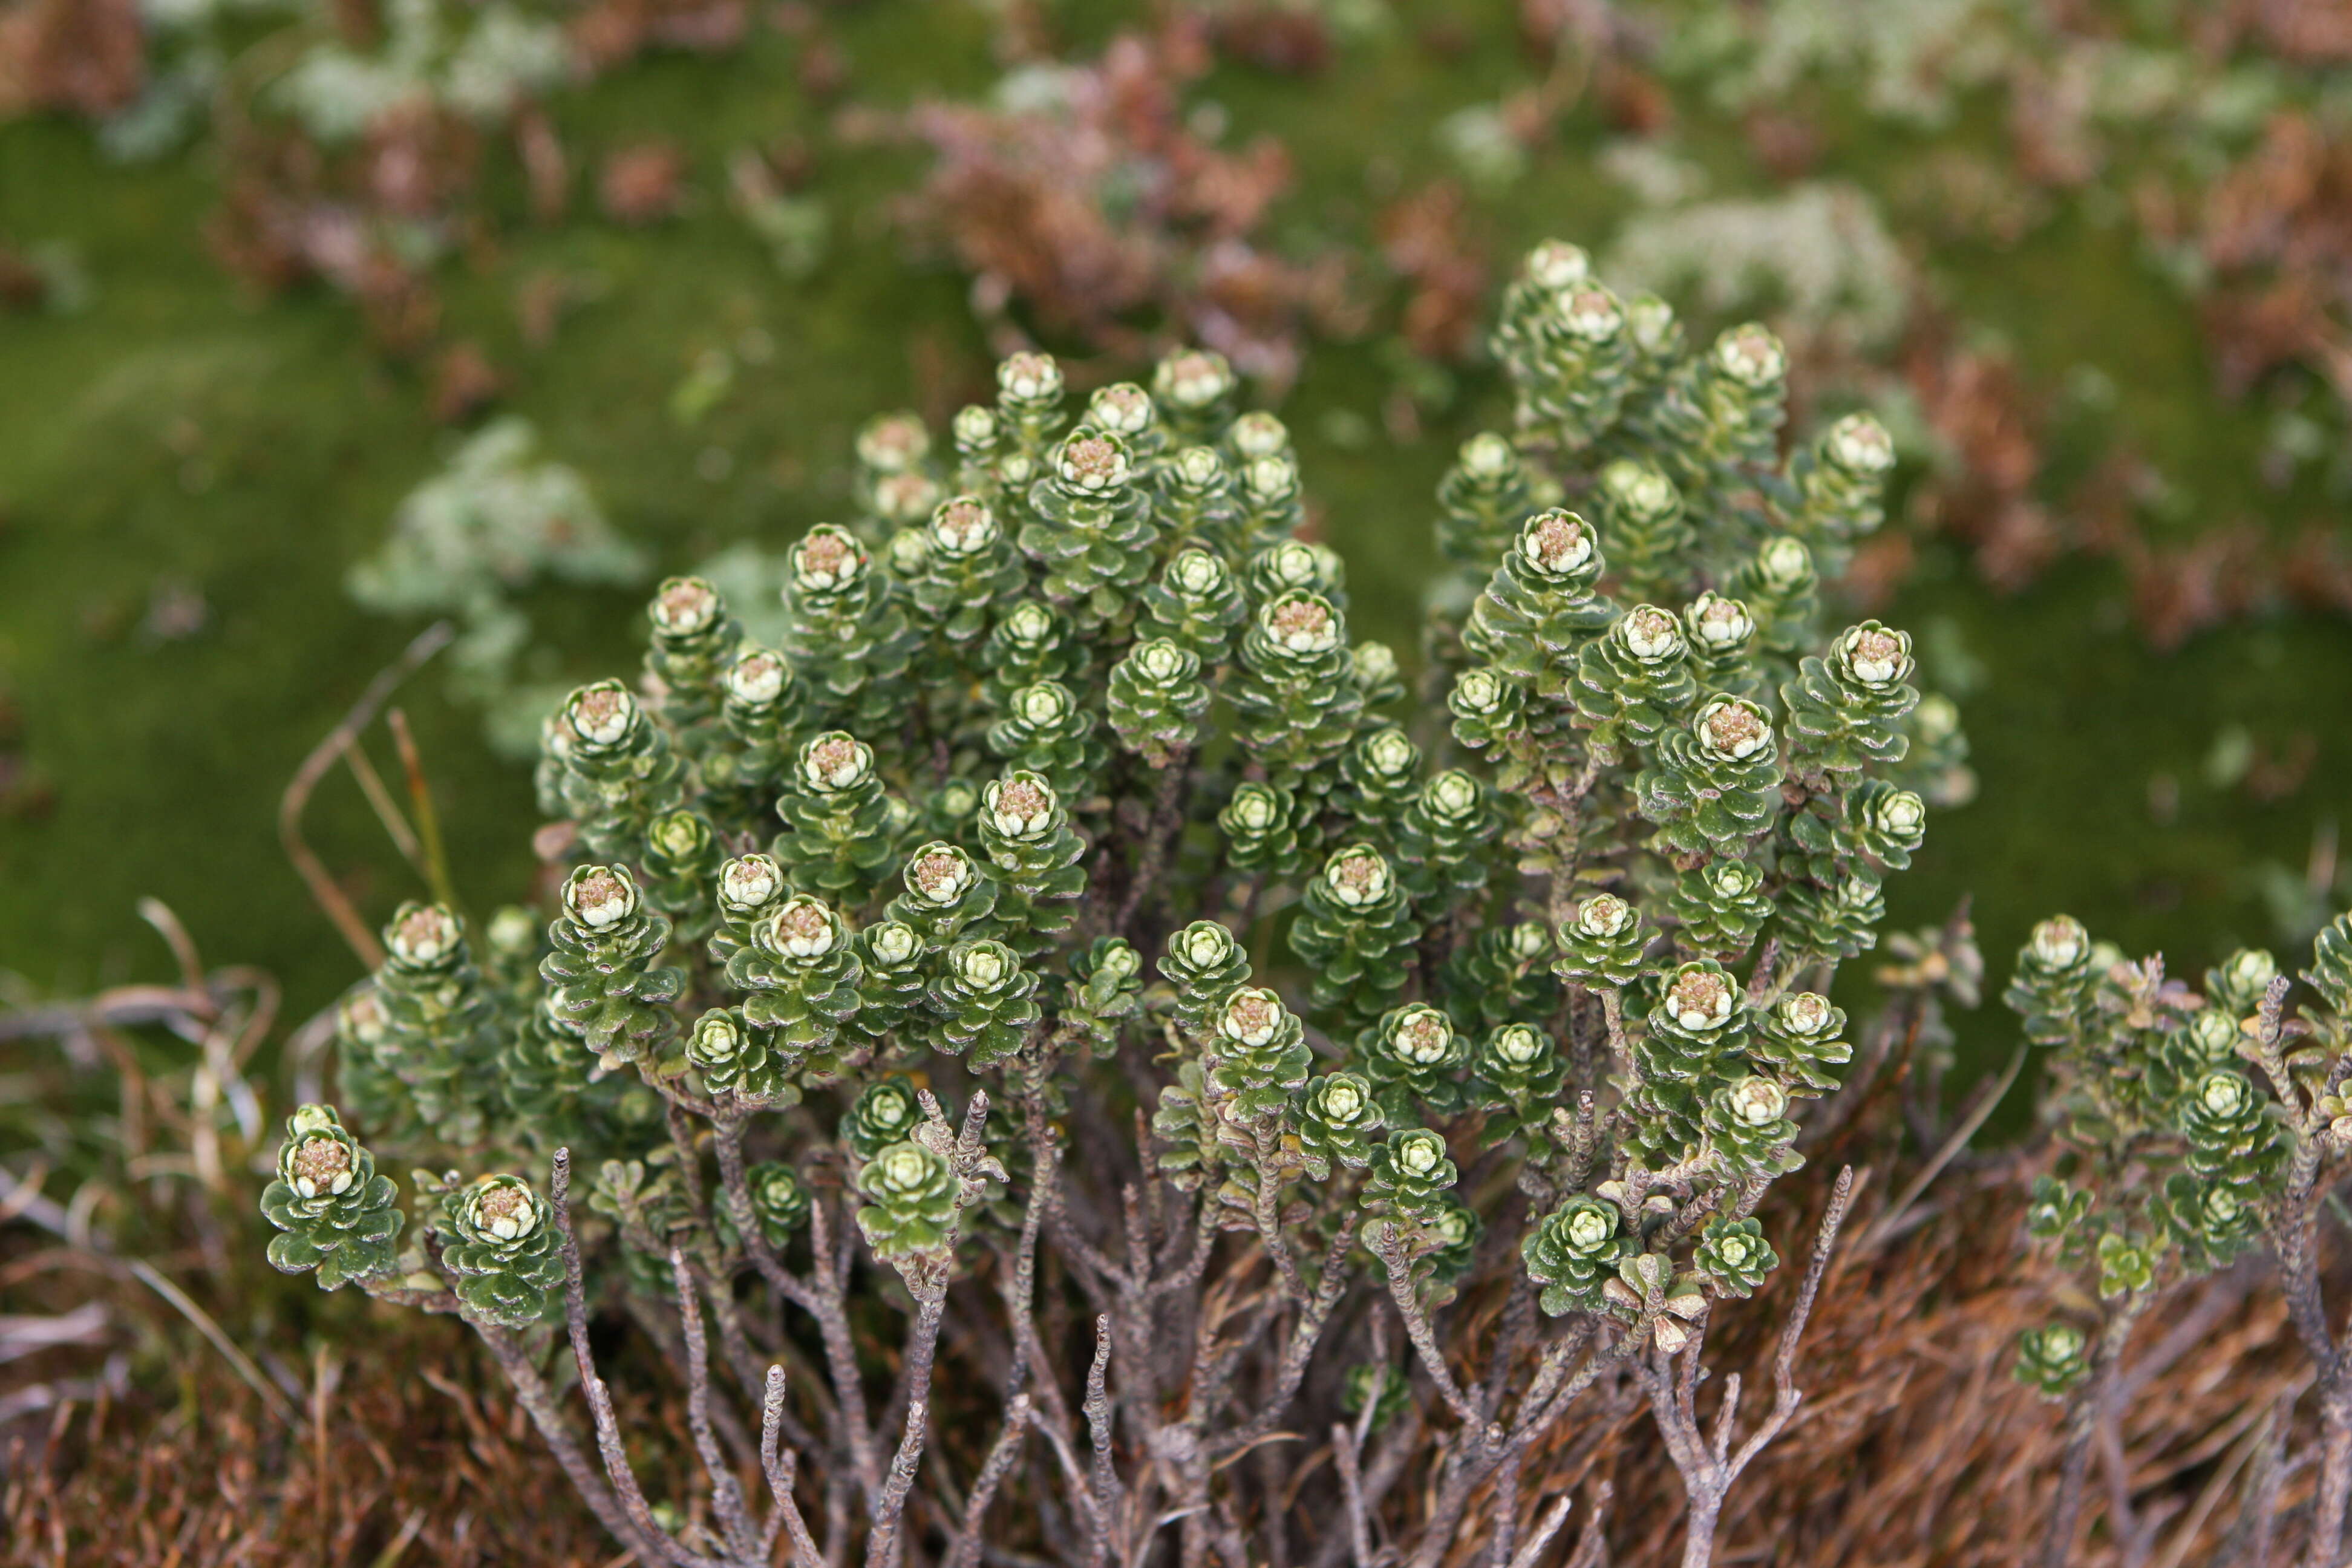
(189, 467)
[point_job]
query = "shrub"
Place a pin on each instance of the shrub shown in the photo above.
(1488, 1022)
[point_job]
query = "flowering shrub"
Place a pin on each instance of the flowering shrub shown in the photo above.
(1479, 1028)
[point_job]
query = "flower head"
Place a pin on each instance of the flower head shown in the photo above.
(1259, 435)
(1487, 455)
(1733, 729)
(685, 605)
(601, 714)
(963, 527)
(1758, 1101)
(825, 558)
(757, 678)
(1556, 264)
(2060, 942)
(1193, 378)
(1751, 355)
(1860, 445)
(1030, 377)
(1122, 408)
(1197, 573)
(748, 882)
(1602, 916)
(1555, 542)
(941, 874)
(1301, 622)
(893, 942)
(1650, 634)
(1640, 490)
(1699, 997)
(1020, 805)
(1718, 623)
(1092, 462)
(423, 934)
(801, 927)
(835, 761)
(600, 895)
(893, 443)
(1357, 876)
(1253, 1017)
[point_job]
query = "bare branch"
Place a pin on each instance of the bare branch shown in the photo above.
(726, 1494)
(965, 1553)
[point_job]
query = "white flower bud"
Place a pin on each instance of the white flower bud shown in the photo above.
(835, 762)
(1031, 377)
(1271, 478)
(1045, 703)
(1785, 563)
(1873, 656)
(1758, 1101)
(1807, 1014)
(1751, 355)
(1478, 690)
(748, 883)
(1302, 623)
(1424, 1037)
(1517, 1043)
(802, 927)
(975, 425)
(598, 897)
(1161, 660)
(1556, 264)
(941, 874)
(1420, 1154)
(1718, 623)
(1604, 916)
(983, 966)
(1651, 635)
(1205, 945)
(1639, 490)
(426, 934)
(757, 678)
(1453, 793)
(1699, 998)
(1259, 435)
(1199, 465)
(1732, 729)
(601, 714)
(1020, 806)
(502, 1207)
(2223, 1093)
(893, 942)
(1195, 378)
(1555, 542)
(2060, 942)
(1122, 409)
(827, 558)
(1357, 877)
(685, 605)
(1652, 322)
(1092, 463)
(1860, 445)
(963, 527)
(1487, 455)
(893, 443)
(321, 1165)
(1592, 314)
(905, 497)
(1251, 1017)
